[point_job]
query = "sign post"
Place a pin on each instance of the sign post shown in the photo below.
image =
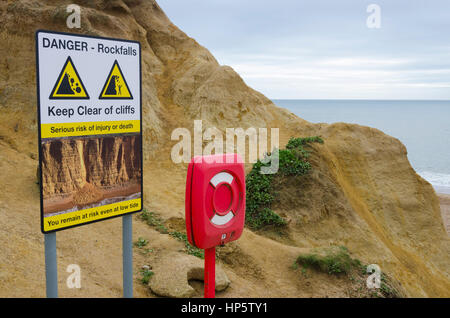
(51, 271)
(215, 207)
(90, 138)
(210, 273)
(127, 251)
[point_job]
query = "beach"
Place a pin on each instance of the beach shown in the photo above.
(94, 195)
(444, 200)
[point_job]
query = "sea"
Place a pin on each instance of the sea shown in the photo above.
(423, 126)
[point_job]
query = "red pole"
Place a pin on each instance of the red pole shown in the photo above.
(210, 272)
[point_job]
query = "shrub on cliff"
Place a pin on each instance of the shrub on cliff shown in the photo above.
(259, 187)
(336, 260)
(330, 260)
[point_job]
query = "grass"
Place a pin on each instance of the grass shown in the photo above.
(386, 289)
(155, 221)
(259, 187)
(141, 242)
(146, 275)
(337, 261)
(333, 261)
(152, 219)
(190, 249)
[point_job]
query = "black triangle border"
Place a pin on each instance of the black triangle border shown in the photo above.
(106, 82)
(79, 78)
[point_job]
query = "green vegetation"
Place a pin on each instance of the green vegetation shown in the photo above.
(191, 250)
(141, 242)
(298, 143)
(260, 192)
(333, 261)
(386, 289)
(152, 219)
(146, 274)
(337, 261)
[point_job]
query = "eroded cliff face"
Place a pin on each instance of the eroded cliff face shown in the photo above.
(68, 164)
(363, 192)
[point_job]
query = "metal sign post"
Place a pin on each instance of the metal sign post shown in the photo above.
(127, 253)
(51, 269)
(210, 273)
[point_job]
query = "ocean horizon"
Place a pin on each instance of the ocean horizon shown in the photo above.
(421, 125)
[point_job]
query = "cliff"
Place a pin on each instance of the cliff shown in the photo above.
(362, 193)
(68, 164)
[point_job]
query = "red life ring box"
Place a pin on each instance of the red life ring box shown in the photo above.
(215, 200)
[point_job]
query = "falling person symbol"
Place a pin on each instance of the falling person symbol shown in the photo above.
(115, 86)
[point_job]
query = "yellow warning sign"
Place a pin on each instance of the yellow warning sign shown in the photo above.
(69, 84)
(116, 86)
(69, 219)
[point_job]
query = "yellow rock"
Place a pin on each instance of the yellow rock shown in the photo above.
(362, 193)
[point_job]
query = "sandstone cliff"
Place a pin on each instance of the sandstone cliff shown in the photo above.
(68, 164)
(363, 192)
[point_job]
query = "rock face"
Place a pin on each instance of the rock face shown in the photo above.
(362, 193)
(68, 164)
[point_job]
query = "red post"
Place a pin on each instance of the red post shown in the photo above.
(210, 272)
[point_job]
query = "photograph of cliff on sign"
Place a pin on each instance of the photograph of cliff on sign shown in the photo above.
(360, 205)
(84, 172)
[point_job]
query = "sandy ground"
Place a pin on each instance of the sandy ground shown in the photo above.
(61, 203)
(445, 210)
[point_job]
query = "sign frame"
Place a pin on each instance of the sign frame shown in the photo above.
(38, 95)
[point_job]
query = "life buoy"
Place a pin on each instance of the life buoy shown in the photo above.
(223, 198)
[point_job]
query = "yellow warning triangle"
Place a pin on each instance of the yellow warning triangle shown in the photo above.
(116, 86)
(69, 84)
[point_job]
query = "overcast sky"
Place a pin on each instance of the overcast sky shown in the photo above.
(323, 49)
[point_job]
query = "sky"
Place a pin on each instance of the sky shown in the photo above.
(325, 49)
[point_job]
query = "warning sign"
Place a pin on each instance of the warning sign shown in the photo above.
(69, 84)
(116, 86)
(90, 148)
